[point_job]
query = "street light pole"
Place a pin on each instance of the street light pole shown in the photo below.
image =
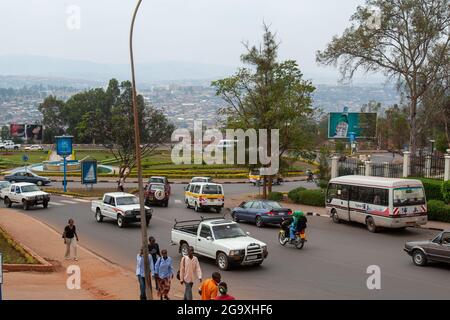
(137, 138)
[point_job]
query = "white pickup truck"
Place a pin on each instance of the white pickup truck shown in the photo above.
(119, 206)
(220, 239)
(27, 194)
(9, 145)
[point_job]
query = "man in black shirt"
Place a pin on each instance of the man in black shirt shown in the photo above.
(153, 250)
(70, 239)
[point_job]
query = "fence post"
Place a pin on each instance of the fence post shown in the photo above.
(406, 164)
(368, 168)
(428, 166)
(334, 167)
(386, 170)
(447, 166)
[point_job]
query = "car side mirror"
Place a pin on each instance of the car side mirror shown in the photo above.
(247, 233)
(209, 238)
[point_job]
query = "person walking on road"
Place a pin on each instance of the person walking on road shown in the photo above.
(70, 239)
(189, 269)
(153, 250)
(164, 274)
(140, 272)
(209, 288)
(223, 290)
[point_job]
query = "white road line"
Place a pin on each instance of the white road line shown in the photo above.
(178, 201)
(55, 204)
(68, 201)
(81, 200)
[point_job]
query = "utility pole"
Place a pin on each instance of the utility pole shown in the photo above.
(137, 138)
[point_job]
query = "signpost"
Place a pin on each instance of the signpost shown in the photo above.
(25, 159)
(89, 172)
(64, 149)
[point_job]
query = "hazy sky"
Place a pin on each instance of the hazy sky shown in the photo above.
(209, 31)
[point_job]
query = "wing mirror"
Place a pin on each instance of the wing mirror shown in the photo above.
(247, 233)
(209, 238)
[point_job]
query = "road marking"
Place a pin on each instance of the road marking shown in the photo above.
(68, 202)
(81, 200)
(178, 201)
(55, 204)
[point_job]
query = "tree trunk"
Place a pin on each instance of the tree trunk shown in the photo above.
(269, 187)
(264, 187)
(413, 125)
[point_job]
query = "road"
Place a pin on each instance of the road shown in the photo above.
(332, 265)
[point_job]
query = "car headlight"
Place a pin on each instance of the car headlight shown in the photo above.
(237, 252)
(127, 212)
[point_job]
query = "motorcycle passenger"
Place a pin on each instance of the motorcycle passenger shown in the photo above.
(310, 175)
(298, 224)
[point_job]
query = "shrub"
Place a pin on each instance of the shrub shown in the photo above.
(433, 189)
(276, 196)
(293, 194)
(438, 211)
(445, 190)
(314, 198)
(322, 184)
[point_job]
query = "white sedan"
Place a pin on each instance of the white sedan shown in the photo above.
(34, 147)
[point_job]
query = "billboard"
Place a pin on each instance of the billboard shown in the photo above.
(34, 132)
(17, 130)
(64, 145)
(346, 125)
(88, 171)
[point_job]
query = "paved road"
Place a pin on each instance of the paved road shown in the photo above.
(331, 266)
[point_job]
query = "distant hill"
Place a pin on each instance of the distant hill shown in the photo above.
(25, 65)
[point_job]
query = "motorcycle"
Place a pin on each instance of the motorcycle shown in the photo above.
(284, 236)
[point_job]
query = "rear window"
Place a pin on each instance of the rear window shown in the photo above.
(272, 205)
(157, 180)
(212, 189)
(409, 196)
(155, 187)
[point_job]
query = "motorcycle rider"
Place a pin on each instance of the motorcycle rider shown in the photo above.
(310, 175)
(298, 224)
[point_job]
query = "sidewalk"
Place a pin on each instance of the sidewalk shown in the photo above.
(100, 279)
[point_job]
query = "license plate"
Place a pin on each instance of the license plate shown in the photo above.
(252, 257)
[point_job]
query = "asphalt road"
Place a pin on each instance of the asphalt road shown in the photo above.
(332, 265)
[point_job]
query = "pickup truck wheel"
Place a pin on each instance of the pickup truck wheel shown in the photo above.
(7, 202)
(419, 258)
(184, 249)
(222, 261)
(98, 215)
(39, 183)
(120, 222)
(25, 205)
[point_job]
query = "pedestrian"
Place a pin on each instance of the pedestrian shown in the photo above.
(121, 184)
(209, 288)
(70, 239)
(153, 250)
(140, 272)
(223, 290)
(189, 269)
(164, 274)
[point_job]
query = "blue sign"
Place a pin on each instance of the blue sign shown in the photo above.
(352, 136)
(64, 145)
(89, 172)
(24, 158)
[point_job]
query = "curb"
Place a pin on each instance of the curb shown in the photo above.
(244, 181)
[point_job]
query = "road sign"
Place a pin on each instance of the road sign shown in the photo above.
(89, 172)
(24, 158)
(64, 145)
(341, 124)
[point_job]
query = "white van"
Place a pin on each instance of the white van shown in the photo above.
(203, 195)
(377, 202)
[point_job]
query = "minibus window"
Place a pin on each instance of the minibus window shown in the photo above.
(409, 196)
(332, 191)
(380, 197)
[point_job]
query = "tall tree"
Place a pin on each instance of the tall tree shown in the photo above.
(269, 94)
(54, 123)
(405, 39)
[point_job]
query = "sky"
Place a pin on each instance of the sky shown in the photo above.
(205, 31)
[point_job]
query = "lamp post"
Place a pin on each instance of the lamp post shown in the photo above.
(432, 146)
(137, 138)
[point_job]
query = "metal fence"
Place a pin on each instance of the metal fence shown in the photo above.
(427, 166)
(389, 170)
(349, 167)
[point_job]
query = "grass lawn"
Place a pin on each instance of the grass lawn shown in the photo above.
(83, 192)
(12, 252)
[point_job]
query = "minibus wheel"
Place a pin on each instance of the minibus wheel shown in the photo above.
(335, 217)
(370, 224)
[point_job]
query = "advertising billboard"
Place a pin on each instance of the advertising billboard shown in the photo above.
(89, 172)
(356, 125)
(17, 130)
(34, 132)
(64, 145)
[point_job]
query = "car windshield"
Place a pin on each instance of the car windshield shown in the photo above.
(212, 189)
(4, 184)
(409, 196)
(30, 189)
(156, 180)
(228, 231)
(123, 201)
(199, 180)
(156, 187)
(272, 204)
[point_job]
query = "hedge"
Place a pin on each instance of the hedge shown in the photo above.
(308, 197)
(433, 189)
(293, 194)
(445, 190)
(438, 211)
(276, 196)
